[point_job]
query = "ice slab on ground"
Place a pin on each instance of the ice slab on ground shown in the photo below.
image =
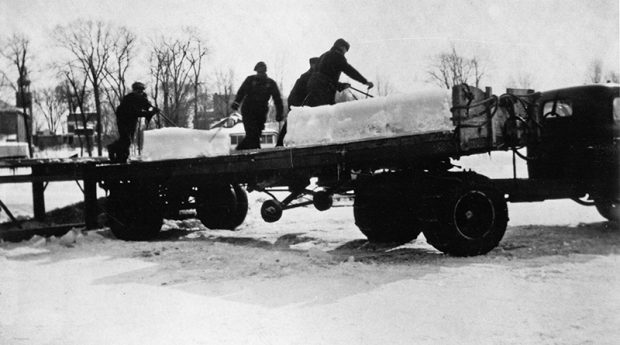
(422, 111)
(176, 143)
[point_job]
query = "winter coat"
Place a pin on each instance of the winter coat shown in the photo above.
(323, 84)
(255, 93)
(300, 90)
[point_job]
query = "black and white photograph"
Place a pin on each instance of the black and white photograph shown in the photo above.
(309, 172)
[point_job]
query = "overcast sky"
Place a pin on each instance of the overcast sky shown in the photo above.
(553, 41)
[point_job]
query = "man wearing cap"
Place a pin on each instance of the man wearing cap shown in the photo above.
(253, 96)
(133, 106)
(298, 95)
(323, 84)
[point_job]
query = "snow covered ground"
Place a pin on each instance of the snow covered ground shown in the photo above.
(312, 279)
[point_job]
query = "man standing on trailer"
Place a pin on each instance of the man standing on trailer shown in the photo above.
(298, 95)
(133, 106)
(323, 84)
(253, 95)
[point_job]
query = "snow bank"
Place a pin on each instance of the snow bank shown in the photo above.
(174, 143)
(426, 110)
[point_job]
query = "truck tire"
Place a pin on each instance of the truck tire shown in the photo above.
(472, 219)
(383, 211)
(222, 206)
(134, 213)
(609, 209)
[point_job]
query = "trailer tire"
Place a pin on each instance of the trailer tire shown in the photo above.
(134, 213)
(609, 209)
(222, 206)
(383, 211)
(472, 219)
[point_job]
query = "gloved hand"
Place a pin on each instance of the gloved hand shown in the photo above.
(343, 86)
(155, 110)
(234, 106)
(370, 84)
(279, 117)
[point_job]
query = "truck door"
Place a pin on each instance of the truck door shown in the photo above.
(551, 156)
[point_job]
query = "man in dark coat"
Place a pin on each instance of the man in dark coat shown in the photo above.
(253, 95)
(323, 84)
(298, 95)
(133, 106)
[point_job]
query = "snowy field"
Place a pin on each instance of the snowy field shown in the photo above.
(312, 279)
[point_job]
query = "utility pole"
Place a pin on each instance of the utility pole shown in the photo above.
(24, 100)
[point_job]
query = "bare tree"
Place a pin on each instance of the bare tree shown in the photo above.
(91, 44)
(383, 87)
(77, 97)
(51, 103)
(522, 80)
(225, 92)
(114, 76)
(18, 53)
(595, 71)
(196, 57)
(452, 69)
(174, 67)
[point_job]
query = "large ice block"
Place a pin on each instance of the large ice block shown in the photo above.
(13, 149)
(422, 111)
(174, 143)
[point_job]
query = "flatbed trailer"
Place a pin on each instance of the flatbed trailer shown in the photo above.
(403, 185)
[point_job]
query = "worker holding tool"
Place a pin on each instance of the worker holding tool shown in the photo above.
(253, 96)
(324, 83)
(298, 95)
(133, 106)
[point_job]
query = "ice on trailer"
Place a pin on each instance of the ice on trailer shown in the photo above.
(13, 149)
(176, 143)
(422, 111)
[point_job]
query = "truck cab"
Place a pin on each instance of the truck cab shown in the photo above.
(578, 141)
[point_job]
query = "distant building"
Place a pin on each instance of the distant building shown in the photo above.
(12, 124)
(75, 123)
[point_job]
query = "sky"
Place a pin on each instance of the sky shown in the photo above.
(552, 41)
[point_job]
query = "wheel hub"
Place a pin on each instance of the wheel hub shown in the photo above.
(474, 215)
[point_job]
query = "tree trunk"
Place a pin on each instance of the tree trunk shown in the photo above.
(98, 111)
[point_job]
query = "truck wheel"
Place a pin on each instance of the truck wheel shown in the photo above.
(472, 220)
(610, 209)
(383, 211)
(222, 206)
(241, 210)
(134, 213)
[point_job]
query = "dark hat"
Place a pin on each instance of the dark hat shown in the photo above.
(341, 43)
(314, 60)
(138, 86)
(260, 67)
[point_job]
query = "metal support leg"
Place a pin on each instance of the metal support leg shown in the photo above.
(38, 198)
(91, 208)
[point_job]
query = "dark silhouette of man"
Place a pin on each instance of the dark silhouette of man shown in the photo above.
(253, 96)
(323, 84)
(298, 95)
(133, 106)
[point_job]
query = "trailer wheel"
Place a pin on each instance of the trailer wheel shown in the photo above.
(134, 213)
(610, 209)
(383, 210)
(271, 211)
(472, 220)
(222, 206)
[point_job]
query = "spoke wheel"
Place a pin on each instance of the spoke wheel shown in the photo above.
(472, 219)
